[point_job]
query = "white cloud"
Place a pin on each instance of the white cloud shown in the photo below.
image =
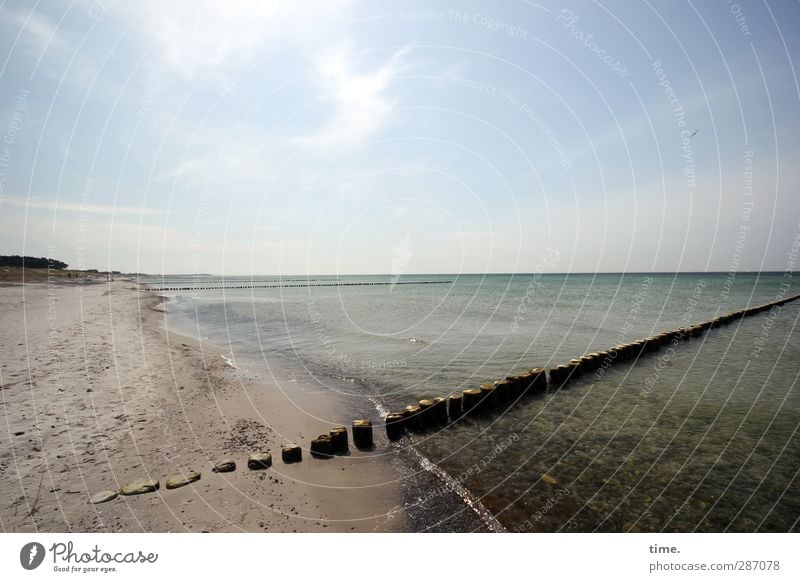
(61, 206)
(360, 104)
(38, 30)
(198, 36)
(186, 167)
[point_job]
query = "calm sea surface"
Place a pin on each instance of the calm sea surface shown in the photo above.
(701, 437)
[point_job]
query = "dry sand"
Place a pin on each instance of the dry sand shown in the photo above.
(96, 394)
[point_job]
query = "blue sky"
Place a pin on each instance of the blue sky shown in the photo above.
(354, 137)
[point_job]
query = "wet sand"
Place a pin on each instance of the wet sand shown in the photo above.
(96, 394)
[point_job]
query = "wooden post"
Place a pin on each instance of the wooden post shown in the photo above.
(322, 446)
(488, 397)
(362, 433)
(502, 391)
(454, 409)
(339, 439)
(539, 379)
(291, 453)
(394, 425)
(440, 409)
(412, 414)
(427, 416)
(471, 399)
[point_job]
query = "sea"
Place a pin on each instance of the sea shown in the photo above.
(699, 436)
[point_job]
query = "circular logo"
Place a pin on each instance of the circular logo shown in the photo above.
(31, 555)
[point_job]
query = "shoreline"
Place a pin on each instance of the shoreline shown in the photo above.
(97, 393)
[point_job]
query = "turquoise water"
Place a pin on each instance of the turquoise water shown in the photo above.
(703, 437)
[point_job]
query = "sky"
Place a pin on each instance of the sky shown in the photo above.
(342, 137)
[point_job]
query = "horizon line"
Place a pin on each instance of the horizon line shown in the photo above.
(742, 272)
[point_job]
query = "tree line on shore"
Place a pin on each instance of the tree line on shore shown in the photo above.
(31, 262)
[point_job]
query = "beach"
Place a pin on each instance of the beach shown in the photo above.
(96, 394)
(105, 384)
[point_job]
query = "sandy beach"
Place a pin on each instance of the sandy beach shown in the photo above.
(97, 394)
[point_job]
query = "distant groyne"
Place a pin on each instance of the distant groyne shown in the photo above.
(157, 289)
(431, 413)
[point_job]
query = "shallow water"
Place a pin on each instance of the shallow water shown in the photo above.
(702, 437)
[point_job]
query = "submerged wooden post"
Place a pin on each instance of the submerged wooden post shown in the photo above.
(471, 399)
(412, 414)
(502, 391)
(427, 416)
(440, 409)
(488, 397)
(559, 376)
(576, 368)
(539, 379)
(454, 409)
(515, 387)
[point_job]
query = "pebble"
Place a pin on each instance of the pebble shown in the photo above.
(103, 496)
(224, 466)
(259, 461)
(141, 486)
(549, 480)
(291, 454)
(176, 481)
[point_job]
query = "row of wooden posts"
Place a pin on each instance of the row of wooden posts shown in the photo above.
(291, 285)
(432, 412)
(439, 411)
